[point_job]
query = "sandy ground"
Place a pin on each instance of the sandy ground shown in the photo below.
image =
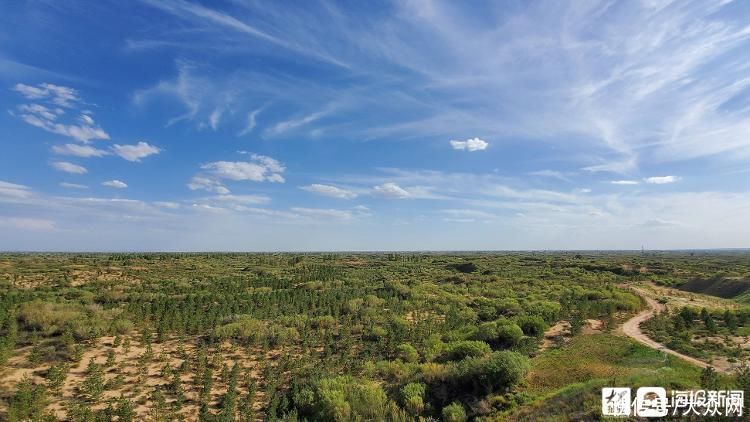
(632, 329)
(133, 388)
(560, 332)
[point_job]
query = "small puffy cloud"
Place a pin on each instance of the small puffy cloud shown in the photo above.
(471, 145)
(260, 168)
(117, 184)
(661, 180)
(391, 190)
(328, 190)
(135, 152)
(69, 167)
(207, 184)
(59, 95)
(624, 182)
(79, 150)
(73, 185)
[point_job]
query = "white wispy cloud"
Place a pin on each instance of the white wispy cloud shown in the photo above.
(84, 131)
(13, 190)
(27, 223)
(298, 122)
(471, 145)
(661, 180)
(391, 190)
(117, 184)
(60, 99)
(551, 173)
(215, 20)
(135, 152)
(324, 213)
(468, 215)
(167, 204)
(328, 190)
(69, 167)
(79, 150)
(251, 122)
(260, 168)
(624, 182)
(60, 95)
(207, 184)
(73, 185)
(243, 199)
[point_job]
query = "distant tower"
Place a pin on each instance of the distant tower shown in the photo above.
(643, 250)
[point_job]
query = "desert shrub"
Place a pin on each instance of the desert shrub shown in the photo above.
(532, 325)
(489, 373)
(412, 396)
(48, 318)
(549, 311)
(500, 334)
(122, 326)
(458, 350)
(343, 398)
(407, 353)
(245, 329)
(324, 322)
(454, 412)
(464, 267)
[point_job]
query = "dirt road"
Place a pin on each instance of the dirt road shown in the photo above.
(632, 328)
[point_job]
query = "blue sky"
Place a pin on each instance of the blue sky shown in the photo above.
(260, 126)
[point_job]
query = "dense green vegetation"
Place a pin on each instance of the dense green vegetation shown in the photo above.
(316, 337)
(702, 333)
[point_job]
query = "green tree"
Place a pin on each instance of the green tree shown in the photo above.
(709, 379)
(730, 320)
(93, 385)
(743, 382)
(28, 403)
(56, 376)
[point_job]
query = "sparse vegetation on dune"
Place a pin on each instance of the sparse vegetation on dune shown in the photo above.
(329, 336)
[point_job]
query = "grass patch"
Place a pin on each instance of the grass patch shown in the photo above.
(567, 382)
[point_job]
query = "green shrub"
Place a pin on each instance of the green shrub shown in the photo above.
(458, 350)
(490, 373)
(346, 398)
(454, 412)
(412, 395)
(532, 325)
(407, 353)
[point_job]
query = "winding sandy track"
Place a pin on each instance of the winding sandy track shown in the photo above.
(632, 329)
